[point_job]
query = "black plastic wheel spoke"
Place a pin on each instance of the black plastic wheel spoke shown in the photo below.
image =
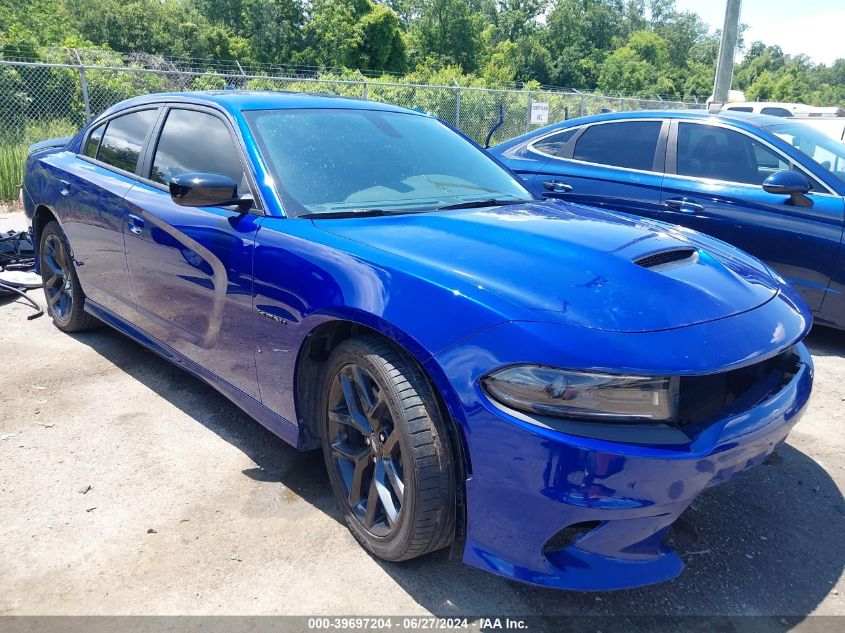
(370, 396)
(54, 267)
(355, 492)
(395, 480)
(340, 416)
(372, 505)
(350, 453)
(64, 305)
(391, 512)
(353, 404)
(61, 255)
(390, 444)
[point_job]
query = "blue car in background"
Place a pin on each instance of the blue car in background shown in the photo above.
(773, 187)
(542, 386)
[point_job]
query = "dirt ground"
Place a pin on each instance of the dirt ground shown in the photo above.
(129, 487)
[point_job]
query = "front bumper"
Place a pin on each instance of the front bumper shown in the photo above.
(529, 483)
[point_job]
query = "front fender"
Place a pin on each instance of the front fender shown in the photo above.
(305, 277)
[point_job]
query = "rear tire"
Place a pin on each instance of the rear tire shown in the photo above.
(65, 299)
(387, 450)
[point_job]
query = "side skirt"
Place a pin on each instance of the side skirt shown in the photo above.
(273, 422)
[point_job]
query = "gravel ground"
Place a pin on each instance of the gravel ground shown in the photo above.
(129, 487)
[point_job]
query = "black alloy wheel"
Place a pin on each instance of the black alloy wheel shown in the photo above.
(58, 282)
(65, 299)
(387, 450)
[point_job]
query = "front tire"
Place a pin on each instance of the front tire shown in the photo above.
(387, 450)
(65, 299)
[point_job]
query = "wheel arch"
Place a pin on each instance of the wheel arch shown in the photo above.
(40, 217)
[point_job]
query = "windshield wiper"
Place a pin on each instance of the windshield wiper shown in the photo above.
(474, 204)
(345, 213)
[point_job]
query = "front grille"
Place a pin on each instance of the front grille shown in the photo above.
(704, 399)
(666, 257)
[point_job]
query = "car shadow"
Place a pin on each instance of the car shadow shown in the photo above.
(766, 544)
(275, 460)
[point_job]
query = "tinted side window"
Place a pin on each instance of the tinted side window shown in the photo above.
(628, 144)
(706, 151)
(124, 138)
(776, 111)
(554, 144)
(741, 109)
(194, 141)
(93, 143)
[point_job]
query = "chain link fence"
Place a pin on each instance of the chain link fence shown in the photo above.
(46, 100)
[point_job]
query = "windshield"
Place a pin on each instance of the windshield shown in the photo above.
(826, 151)
(331, 160)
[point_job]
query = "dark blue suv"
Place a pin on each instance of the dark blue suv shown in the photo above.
(770, 186)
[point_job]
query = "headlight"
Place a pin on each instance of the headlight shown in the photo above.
(586, 396)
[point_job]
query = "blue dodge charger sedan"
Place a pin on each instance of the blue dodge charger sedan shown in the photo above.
(542, 386)
(774, 187)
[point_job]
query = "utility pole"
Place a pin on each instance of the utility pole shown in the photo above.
(727, 51)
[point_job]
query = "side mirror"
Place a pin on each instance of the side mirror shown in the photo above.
(205, 190)
(789, 182)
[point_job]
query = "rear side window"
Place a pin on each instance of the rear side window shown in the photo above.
(124, 138)
(555, 143)
(629, 144)
(194, 142)
(741, 109)
(93, 143)
(717, 153)
(776, 111)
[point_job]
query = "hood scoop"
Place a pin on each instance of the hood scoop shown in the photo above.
(673, 258)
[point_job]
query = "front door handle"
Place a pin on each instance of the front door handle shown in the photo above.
(556, 186)
(135, 224)
(65, 190)
(684, 206)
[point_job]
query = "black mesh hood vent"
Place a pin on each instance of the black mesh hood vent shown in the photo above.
(674, 257)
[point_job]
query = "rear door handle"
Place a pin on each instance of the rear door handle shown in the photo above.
(557, 186)
(135, 224)
(683, 205)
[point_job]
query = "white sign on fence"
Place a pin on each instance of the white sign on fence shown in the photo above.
(539, 112)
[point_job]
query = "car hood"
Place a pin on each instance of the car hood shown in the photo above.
(572, 264)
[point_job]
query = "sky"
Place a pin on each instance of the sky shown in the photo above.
(813, 27)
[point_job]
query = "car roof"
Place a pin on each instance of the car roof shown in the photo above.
(748, 118)
(244, 100)
(745, 120)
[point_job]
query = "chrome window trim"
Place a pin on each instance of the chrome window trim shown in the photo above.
(108, 119)
(163, 105)
(234, 135)
(583, 126)
(716, 123)
(574, 128)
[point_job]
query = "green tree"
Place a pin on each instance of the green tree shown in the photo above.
(641, 67)
(356, 34)
(579, 36)
(448, 31)
(272, 29)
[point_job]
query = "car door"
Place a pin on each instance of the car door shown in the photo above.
(713, 184)
(92, 207)
(191, 267)
(612, 164)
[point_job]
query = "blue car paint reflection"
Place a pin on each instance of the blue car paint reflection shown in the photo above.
(803, 244)
(234, 298)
